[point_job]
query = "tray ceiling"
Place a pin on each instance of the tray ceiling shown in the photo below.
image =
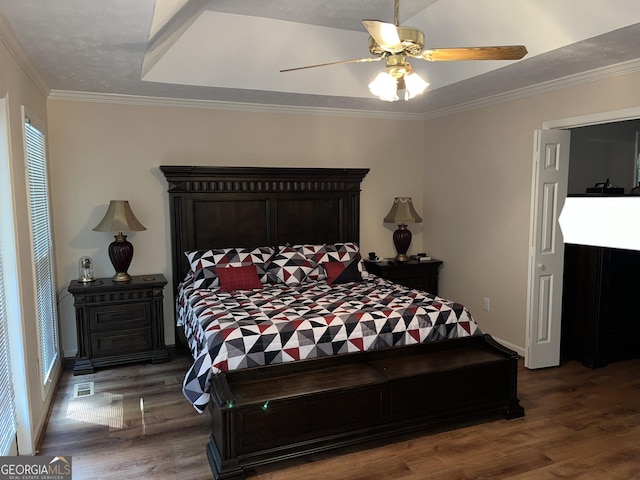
(232, 51)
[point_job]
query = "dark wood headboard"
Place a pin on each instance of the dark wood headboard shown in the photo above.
(217, 207)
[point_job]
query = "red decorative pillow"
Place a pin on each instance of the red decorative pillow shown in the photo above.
(340, 272)
(238, 278)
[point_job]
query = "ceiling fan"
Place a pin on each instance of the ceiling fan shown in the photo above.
(395, 43)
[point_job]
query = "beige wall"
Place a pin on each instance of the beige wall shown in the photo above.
(477, 194)
(19, 91)
(469, 173)
(103, 151)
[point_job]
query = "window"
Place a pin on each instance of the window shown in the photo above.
(42, 247)
(7, 407)
(8, 423)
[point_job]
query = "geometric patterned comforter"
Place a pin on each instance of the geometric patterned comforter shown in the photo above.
(280, 323)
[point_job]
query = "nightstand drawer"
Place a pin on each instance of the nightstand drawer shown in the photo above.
(112, 343)
(416, 283)
(409, 272)
(121, 317)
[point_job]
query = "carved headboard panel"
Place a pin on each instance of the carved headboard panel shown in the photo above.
(215, 207)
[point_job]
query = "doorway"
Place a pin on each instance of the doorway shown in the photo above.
(599, 284)
(543, 359)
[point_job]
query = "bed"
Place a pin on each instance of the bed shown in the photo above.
(291, 366)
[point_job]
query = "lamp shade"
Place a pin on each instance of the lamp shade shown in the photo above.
(402, 212)
(119, 218)
(385, 87)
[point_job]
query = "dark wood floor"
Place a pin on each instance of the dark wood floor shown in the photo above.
(579, 424)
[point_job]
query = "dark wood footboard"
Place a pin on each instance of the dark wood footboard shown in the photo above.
(266, 414)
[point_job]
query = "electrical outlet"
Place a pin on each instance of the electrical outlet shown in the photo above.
(486, 304)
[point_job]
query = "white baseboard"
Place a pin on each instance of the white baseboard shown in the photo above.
(516, 348)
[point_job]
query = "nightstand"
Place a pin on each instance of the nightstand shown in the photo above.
(119, 322)
(413, 274)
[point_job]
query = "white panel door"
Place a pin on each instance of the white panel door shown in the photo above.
(546, 248)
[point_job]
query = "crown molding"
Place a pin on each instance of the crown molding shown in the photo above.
(616, 70)
(619, 69)
(9, 40)
(598, 118)
(138, 100)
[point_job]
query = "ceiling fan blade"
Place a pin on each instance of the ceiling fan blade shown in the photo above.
(384, 34)
(507, 52)
(359, 60)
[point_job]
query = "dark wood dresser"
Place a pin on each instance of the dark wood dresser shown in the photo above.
(119, 322)
(600, 319)
(413, 274)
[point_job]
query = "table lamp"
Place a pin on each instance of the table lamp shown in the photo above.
(401, 213)
(120, 218)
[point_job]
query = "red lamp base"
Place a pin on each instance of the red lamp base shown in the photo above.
(121, 254)
(402, 240)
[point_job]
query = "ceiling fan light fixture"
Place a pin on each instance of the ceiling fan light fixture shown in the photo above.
(397, 77)
(414, 85)
(385, 87)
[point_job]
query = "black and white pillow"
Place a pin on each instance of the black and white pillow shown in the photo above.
(331, 252)
(203, 263)
(289, 266)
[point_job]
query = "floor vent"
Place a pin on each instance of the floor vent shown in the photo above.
(85, 389)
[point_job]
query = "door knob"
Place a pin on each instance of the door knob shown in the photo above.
(541, 266)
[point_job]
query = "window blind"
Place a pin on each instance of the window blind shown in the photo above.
(7, 407)
(42, 246)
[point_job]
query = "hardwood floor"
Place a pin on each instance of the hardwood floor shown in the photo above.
(579, 424)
